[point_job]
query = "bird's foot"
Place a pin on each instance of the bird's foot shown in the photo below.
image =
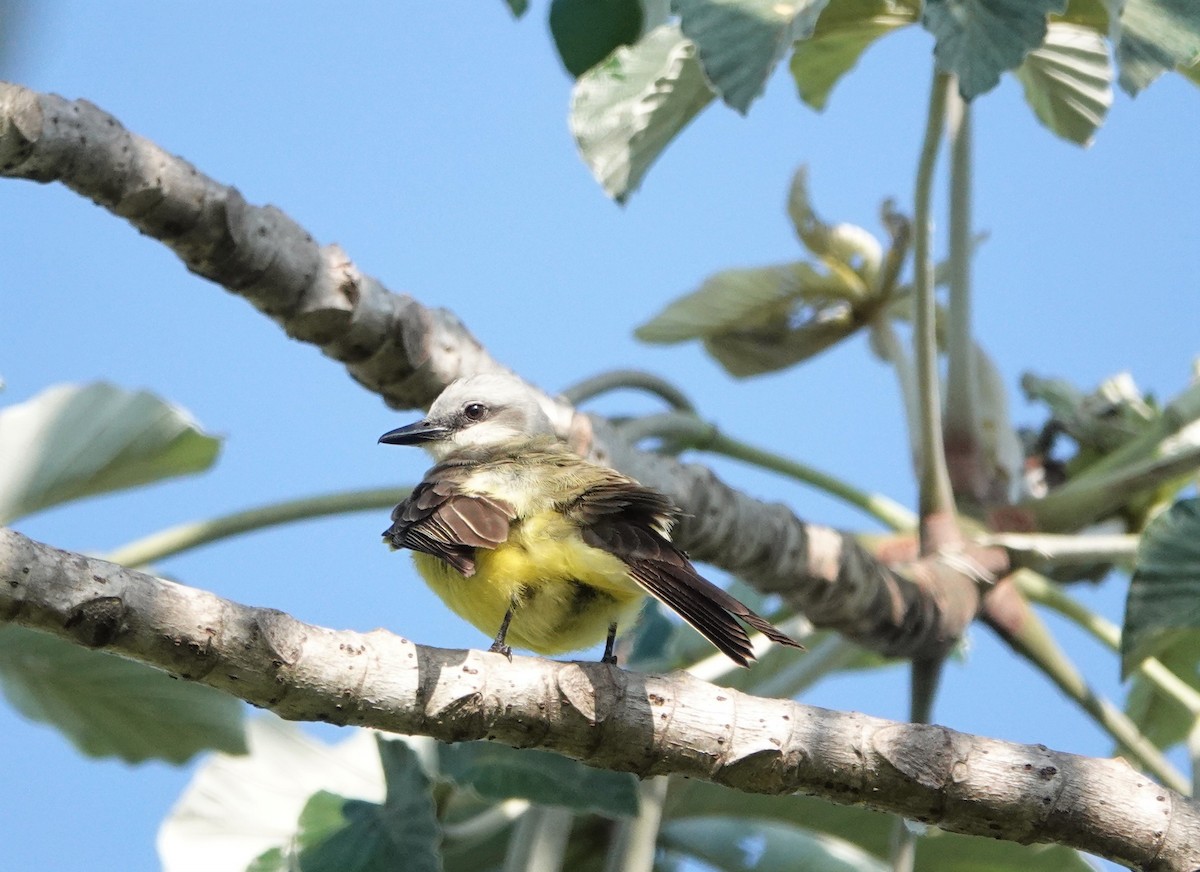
(499, 647)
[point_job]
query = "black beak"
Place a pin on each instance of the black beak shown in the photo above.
(415, 434)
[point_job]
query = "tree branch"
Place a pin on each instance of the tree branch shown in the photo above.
(408, 352)
(645, 724)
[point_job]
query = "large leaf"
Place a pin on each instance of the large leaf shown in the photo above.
(1153, 37)
(977, 40)
(1161, 718)
(844, 31)
(764, 846)
(1162, 611)
(499, 772)
(1068, 81)
(869, 831)
(352, 835)
(587, 31)
(111, 707)
(74, 441)
(739, 42)
(238, 807)
(625, 111)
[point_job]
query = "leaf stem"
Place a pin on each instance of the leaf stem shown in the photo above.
(636, 840)
(539, 840)
(1034, 642)
(962, 412)
(628, 378)
(703, 436)
(936, 497)
(184, 537)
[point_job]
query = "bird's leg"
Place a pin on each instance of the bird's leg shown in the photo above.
(498, 646)
(609, 656)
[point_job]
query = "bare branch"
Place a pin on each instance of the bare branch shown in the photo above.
(408, 352)
(645, 724)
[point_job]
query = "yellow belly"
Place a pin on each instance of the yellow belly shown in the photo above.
(564, 593)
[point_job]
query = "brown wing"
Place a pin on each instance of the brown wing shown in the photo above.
(625, 519)
(440, 520)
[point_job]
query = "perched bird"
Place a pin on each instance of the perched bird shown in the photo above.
(524, 538)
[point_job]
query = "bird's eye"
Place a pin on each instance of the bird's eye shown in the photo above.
(474, 411)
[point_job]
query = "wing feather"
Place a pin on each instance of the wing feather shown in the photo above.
(631, 522)
(440, 519)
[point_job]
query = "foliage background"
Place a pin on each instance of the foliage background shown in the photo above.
(432, 145)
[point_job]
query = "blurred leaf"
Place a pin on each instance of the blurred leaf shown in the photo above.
(1068, 81)
(1161, 718)
(652, 640)
(402, 833)
(625, 111)
(777, 346)
(1162, 610)
(739, 42)
(587, 31)
(235, 808)
(517, 7)
(743, 299)
(499, 772)
(870, 831)
(844, 31)
(73, 441)
(1192, 73)
(320, 817)
(1153, 37)
(1100, 422)
(765, 846)
(1091, 14)
(112, 707)
(977, 40)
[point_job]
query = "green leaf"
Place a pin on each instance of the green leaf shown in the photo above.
(236, 808)
(1162, 610)
(739, 42)
(765, 846)
(320, 818)
(587, 31)
(1152, 37)
(403, 833)
(517, 7)
(844, 31)
(1161, 718)
(625, 111)
(870, 831)
(1068, 81)
(500, 772)
(73, 441)
(977, 40)
(111, 707)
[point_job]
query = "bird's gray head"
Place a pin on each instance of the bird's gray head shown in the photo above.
(480, 411)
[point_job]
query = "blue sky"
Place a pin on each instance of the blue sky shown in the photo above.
(432, 144)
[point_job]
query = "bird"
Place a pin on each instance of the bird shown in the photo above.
(522, 537)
